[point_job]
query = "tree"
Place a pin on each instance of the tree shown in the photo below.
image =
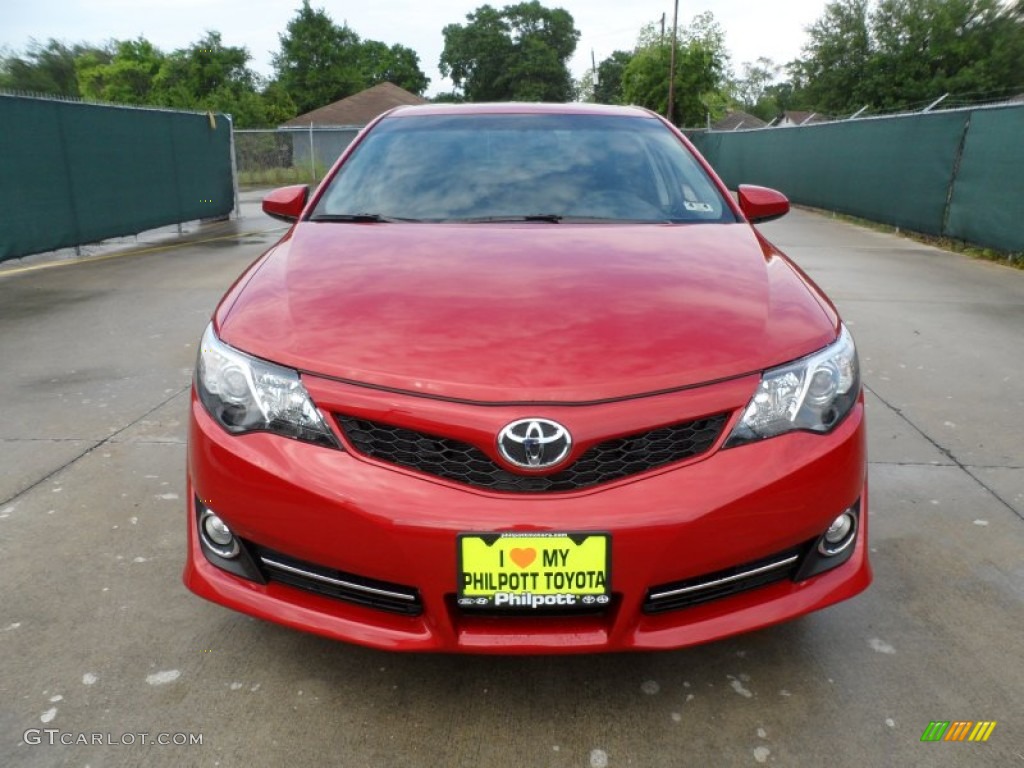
(519, 53)
(278, 104)
(205, 69)
(779, 98)
(906, 53)
(1006, 55)
(924, 48)
(701, 66)
(834, 70)
(49, 68)
(126, 77)
(608, 89)
(397, 64)
(751, 88)
(447, 97)
(206, 75)
(208, 65)
(319, 62)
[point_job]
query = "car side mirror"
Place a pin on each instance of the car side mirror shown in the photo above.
(286, 203)
(762, 204)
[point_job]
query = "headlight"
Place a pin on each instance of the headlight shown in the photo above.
(812, 394)
(245, 394)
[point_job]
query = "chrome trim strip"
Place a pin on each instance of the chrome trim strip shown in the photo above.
(337, 582)
(725, 580)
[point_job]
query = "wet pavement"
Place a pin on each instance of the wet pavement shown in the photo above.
(100, 641)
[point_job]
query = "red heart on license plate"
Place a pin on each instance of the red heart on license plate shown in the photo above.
(523, 557)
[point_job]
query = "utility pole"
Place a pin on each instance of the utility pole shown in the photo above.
(593, 65)
(672, 63)
(663, 27)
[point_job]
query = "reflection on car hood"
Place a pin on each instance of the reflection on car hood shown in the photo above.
(526, 312)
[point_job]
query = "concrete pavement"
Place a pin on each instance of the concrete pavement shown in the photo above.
(97, 635)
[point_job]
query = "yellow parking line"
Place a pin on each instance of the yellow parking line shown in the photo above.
(135, 252)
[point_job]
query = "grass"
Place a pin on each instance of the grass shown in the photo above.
(1009, 259)
(276, 177)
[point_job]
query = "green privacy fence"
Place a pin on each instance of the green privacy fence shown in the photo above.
(958, 174)
(73, 173)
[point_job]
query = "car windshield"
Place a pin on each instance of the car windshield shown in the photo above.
(528, 167)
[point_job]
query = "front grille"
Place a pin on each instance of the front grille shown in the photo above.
(465, 463)
(381, 595)
(682, 594)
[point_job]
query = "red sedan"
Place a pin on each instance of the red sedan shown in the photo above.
(526, 379)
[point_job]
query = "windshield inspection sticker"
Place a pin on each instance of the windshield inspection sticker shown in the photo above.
(699, 207)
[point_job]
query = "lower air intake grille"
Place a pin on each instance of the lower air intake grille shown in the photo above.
(371, 593)
(465, 463)
(682, 594)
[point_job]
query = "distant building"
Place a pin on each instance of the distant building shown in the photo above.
(794, 118)
(738, 121)
(358, 109)
(331, 128)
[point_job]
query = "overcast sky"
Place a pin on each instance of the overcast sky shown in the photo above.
(752, 28)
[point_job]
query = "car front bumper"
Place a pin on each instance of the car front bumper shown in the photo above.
(344, 513)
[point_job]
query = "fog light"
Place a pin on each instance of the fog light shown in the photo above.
(217, 536)
(839, 535)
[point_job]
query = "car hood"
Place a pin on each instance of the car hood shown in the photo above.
(528, 311)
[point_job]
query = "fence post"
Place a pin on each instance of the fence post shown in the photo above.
(234, 168)
(312, 156)
(70, 179)
(944, 226)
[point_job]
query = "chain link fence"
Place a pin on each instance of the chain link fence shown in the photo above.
(276, 156)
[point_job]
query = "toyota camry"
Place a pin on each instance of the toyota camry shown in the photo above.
(526, 379)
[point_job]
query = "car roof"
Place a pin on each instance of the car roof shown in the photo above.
(515, 107)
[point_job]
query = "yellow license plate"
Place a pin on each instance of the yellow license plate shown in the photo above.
(534, 570)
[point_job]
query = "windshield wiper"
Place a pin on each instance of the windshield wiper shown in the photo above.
(358, 218)
(552, 218)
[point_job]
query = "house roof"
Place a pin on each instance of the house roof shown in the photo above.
(359, 108)
(738, 119)
(801, 118)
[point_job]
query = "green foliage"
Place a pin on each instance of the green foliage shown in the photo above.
(753, 89)
(924, 48)
(905, 53)
(127, 77)
(205, 68)
(206, 75)
(278, 104)
(608, 88)
(779, 98)
(448, 97)
(519, 53)
(833, 73)
(276, 177)
(398, 64)
(701, 67)
(49, 68)
(583, 89)
(321, 62)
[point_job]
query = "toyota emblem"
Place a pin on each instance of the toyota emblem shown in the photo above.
(534, 443)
